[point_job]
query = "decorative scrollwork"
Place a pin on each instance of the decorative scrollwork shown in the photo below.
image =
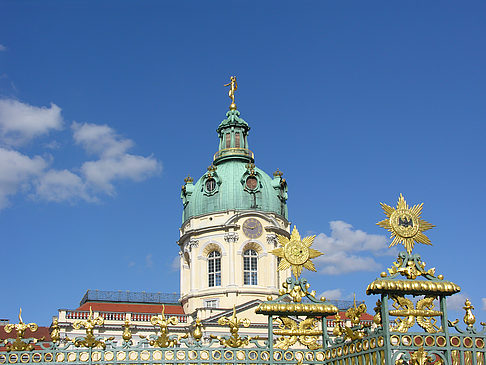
(127, 334)
(234, 340)
(407, 314)
(21, 327)
(90, 340)
(163, 340)
(306, 332)
(411, 266)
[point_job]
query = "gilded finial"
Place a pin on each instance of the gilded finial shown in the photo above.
(405, 224)
(21, 327)
(278, 173)
(354, 313)
(231, 93)
(163, 340)
(188, 179)
(127, 334)
(55, 330)
(234, 323)
(469, 318)
(90, 340)
(197, 333)
(296, 252)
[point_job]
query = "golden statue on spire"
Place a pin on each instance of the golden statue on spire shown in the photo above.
(231, 93)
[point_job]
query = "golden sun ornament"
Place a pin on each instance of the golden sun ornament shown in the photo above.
(296, 252)
(405, 224)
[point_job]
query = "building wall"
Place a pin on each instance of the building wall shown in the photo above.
(223, 232)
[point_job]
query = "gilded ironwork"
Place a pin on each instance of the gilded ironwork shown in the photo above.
(354, 313)
(412, 287)
(405, 224)
(55, 330)
(377, 316)
(410, 266)
(197, 332)
(127, 334)
(18, 344)
(407, 314)
(163, 339)
(306, 332)
(90, 340)
(296, 252)
(419, 357)
(355, 332)
(234, 340)
(469, 318)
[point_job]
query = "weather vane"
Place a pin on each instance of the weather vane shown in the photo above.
(231, 92)
(405, 224)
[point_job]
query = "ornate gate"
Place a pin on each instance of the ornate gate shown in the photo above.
(410, 322)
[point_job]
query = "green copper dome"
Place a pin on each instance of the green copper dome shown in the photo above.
(233, 182)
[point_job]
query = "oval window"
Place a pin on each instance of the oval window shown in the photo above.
(251, 182)
(210, 184)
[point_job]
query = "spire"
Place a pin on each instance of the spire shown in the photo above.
(233, 132)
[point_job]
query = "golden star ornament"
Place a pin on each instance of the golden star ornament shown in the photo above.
(405, 224)
(296, 252)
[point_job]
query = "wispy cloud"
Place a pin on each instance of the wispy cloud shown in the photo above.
(332, 294)
(175, 264)
(456, 302)
(483, 300)
(349, 250)
(2, 48)
(149, 262)
(21, 123)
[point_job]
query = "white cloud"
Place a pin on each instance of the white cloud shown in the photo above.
(483, 300)
(101, 173)
(16, 172)
(348, 250)
(115, 163)
(2, 48)
(61, 185)
(332, 294)
(176, 263)
(100, 139)
(149, 262)
(19, 122)
(456, 302)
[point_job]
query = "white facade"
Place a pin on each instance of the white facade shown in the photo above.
(222, 235)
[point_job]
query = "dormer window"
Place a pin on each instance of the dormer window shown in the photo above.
(251, 182)
(210, 185)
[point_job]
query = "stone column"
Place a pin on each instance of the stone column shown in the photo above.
(231, 238)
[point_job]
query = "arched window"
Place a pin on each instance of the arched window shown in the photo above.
(214, 268)
(250, 267)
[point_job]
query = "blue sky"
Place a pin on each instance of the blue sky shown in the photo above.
(106, 106)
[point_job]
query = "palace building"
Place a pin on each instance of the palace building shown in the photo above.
(242, 297)
(231, 218)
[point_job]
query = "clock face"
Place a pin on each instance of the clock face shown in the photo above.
(252, 228)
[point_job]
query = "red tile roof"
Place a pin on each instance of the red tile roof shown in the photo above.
(363, 317)
(131, 307)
